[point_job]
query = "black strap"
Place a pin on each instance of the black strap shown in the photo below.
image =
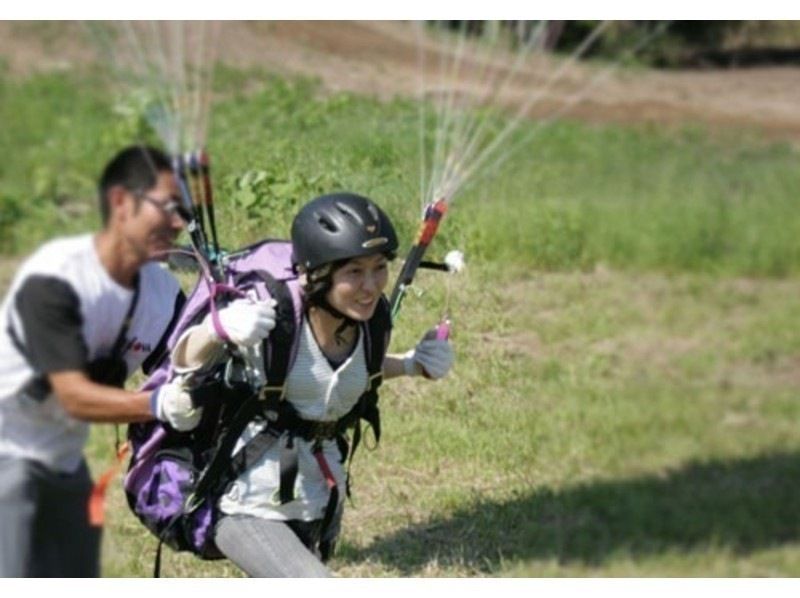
(289, 466)
(379, 327)
(280, 342)
(161, 351)
(376, 340)
(157, 563)
(119, 343)
(333, 497)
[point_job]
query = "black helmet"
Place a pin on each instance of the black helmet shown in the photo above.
(340, 226)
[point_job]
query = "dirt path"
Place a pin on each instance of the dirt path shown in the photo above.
(380, 58)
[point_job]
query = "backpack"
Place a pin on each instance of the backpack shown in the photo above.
(175, 479)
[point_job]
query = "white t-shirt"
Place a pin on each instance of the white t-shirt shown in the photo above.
(63, 310)
(318, 392)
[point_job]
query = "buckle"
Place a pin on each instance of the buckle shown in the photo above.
(323, 430)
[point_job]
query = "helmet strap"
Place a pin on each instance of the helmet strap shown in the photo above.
(317, 297)
(347, 321)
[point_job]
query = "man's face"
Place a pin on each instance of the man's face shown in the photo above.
(151, 222)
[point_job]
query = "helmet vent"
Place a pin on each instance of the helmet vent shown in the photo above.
(328, 225)
(348, 211)
(373, 212)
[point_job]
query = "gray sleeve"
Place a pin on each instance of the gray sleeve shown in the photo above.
(52, 325)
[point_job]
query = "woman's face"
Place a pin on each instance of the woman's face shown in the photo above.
(358, 285)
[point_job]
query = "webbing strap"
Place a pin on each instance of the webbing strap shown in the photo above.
(368, 411)
(378, 332)
(333, 497)
(119, 343)
(157, 563)
(289, 465)
(97, 498)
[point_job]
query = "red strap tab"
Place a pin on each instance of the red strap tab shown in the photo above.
(97, 500)
(325, 468)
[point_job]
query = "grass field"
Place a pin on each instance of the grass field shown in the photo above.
(628, 353)
(605, 424)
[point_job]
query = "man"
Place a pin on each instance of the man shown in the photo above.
(83, 313)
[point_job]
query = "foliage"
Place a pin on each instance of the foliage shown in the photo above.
(11, 212)
(689, 43)
(54, 128)
(673, 45)
(275, 194)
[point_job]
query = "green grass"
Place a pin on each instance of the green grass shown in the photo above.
(578, 195)
(625, 396)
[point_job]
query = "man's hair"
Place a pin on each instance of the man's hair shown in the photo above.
(135, 168)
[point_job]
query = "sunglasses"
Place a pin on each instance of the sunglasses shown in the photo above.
(168, 207)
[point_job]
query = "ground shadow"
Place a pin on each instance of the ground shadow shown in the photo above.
(742, 505)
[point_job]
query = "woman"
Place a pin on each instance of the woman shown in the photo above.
(341, 244)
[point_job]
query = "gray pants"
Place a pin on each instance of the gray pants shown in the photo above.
(44, 522)
(265, 548)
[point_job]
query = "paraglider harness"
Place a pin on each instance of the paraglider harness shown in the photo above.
(175, 479)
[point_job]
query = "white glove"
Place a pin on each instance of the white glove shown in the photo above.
(432, 358)
(246, 322)
(171, 403)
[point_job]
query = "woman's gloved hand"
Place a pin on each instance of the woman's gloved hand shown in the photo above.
(245, 322)
(171, 403)
(431, 357)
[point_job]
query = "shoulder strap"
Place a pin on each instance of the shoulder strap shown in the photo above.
(281, 344)
(377, 332)
(376, 341)
(119, 343)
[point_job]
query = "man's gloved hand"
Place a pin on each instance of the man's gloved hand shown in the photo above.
(244, 321)
(171, 403)
(431, 357)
